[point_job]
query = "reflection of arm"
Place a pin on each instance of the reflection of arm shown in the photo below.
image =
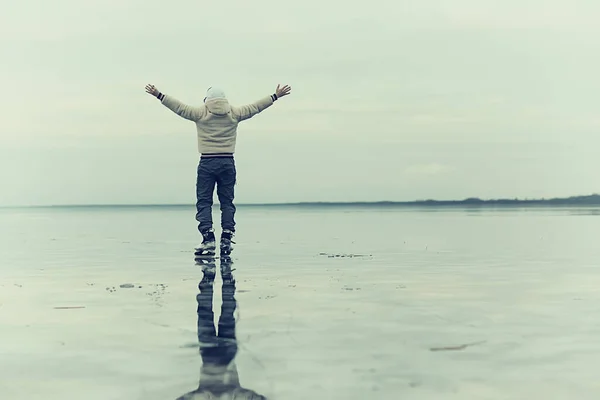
(250, 110)
(212, 375)
(183, 110)
(247, 394)
(231, 375)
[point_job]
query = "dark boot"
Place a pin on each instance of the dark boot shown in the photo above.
(208, 246)
(227, 242)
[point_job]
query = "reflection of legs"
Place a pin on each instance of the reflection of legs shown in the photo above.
(227, 319)
(205, 187)
(206, 325)
(226, 332)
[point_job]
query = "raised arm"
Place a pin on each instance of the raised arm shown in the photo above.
(250, 110)
(183, 110)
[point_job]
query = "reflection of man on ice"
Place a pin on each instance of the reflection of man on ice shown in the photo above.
(216, 123)
(219, 377)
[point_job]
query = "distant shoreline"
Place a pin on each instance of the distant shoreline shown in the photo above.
(591, 200)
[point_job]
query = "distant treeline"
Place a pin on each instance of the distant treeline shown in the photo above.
(574, 200)
(590, 200)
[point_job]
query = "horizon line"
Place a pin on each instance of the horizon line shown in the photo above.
(469, 200)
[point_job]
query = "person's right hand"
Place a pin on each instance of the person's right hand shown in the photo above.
(282, 91)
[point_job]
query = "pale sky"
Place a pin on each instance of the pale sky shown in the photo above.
(391, 100)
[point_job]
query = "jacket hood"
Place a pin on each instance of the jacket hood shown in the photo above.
(218, 106)
(215, 93)
(216, 101)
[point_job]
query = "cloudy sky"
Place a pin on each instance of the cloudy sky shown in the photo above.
(392, 100)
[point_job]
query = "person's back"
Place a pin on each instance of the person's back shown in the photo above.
(216, 120)
(216, 125)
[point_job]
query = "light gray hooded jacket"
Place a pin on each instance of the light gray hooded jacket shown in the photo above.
(217, 120)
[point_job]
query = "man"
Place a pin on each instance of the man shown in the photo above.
(216, 124)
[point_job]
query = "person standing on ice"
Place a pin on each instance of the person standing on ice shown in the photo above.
(216, 123)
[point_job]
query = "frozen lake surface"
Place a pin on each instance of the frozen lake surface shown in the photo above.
(330, 303)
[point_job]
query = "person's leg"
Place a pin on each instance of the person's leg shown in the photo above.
(226, 179)
(205, 187)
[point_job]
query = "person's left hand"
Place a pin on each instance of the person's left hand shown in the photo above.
(152, 90)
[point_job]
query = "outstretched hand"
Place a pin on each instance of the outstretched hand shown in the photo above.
(152, 90)
(283, 91)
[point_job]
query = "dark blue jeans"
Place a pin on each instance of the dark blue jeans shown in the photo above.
(219, 171)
